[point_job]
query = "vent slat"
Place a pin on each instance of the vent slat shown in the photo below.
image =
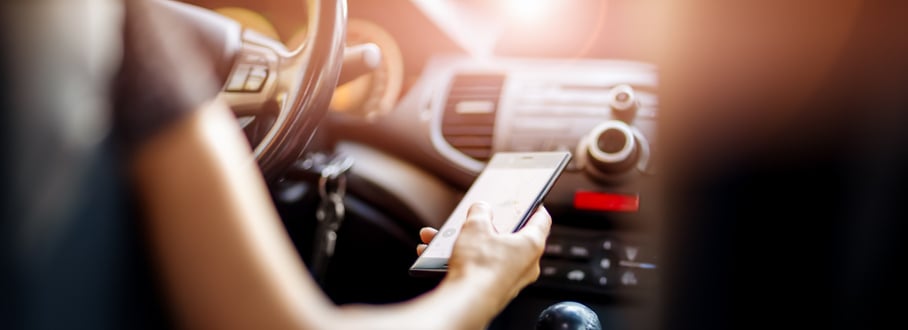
(454, 101)
(473, 90)
(467, 119)
(480, 130)
(470, 127)
(471, 141)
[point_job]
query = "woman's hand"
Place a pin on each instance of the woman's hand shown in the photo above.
(501, 264)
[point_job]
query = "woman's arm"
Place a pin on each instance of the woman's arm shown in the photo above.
(227, 261)
(486, 271)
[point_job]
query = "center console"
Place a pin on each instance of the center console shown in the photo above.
(602, 251)
(605, 112)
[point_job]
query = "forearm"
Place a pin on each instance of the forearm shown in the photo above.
(224, 256)
(457, 303)
(228, 263)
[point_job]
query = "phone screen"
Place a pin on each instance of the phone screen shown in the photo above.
(511, 184)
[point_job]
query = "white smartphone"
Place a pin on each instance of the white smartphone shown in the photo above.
(514, 184)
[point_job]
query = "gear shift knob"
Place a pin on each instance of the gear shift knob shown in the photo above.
(568, 315)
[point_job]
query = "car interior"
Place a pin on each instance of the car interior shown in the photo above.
(427, 92)
(750, 200)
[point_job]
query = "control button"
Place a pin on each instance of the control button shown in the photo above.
(628, 278)
(552, 270)
(623, 102)
(549, 271)
(253, 84)
(237, 80)
(602, 281)
(608, 244)
(554, 249)
(259, 71)
(576, 275)
(630, 252)
(636, 253)
(605, 263)
(611, 148)
(579, 252)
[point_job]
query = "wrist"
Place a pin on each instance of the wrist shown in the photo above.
(481, 293)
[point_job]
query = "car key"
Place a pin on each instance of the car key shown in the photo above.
(330, 213)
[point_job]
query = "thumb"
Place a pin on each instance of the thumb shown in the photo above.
(479, 217)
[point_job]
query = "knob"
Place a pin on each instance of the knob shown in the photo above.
(568, 315)
(612, 147)
(623, 102)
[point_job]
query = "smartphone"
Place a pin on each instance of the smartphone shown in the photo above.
(514, 184)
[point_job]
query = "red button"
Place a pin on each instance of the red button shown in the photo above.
(599, 201)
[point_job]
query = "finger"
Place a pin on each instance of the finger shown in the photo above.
(539, 225)
(479, 217)
(426, 234)
(421, 248)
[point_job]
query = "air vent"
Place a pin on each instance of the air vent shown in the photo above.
(469, 118)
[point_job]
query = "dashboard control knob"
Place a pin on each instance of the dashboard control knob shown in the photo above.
(623, 102)
(611, 148)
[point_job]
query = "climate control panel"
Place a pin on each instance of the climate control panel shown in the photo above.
(599, 262)
(602, 111)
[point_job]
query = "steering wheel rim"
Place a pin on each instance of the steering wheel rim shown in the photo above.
(304, 98)
(280, 96)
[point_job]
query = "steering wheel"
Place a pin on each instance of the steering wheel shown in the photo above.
(278, 95)
(293, 88)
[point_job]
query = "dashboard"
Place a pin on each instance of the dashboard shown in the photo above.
(605, 112)
(463, 108)
(422, 125)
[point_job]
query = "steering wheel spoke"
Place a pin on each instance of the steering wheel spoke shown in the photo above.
(279, 96)
(287, 90)
(253, 80)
